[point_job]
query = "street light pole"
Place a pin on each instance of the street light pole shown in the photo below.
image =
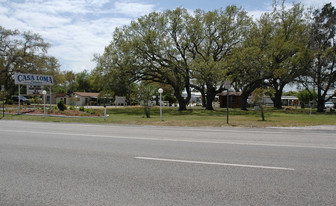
(227, 106)
(3, 100)
(160, 91)
(44, 92)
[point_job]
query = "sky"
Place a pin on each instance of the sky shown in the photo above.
(78, 29)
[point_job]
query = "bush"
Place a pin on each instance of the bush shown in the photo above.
(305, 96)
(93, 103)
(10, 102)
(72, 107)
(61, 106)
(36, 100)
(81, 109)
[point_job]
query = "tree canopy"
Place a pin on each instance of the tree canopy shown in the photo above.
(185, 51)
(320, 60)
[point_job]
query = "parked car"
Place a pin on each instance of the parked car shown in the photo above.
(329, 105)
(23, 100)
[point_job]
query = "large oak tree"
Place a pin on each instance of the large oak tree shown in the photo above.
(24, 52)
(320, 58)
(153, 48)
(214, 35)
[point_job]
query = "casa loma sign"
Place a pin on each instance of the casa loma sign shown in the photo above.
(33, 79)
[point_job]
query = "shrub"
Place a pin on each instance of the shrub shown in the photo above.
(305, 96)
(93, 103)
(36, 100)
(92, 111)
(81, 109)
(10, 102)
(72, 107)
(61, 106)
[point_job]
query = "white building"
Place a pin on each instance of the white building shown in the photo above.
(78, 98)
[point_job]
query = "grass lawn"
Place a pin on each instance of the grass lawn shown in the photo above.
(197, 117)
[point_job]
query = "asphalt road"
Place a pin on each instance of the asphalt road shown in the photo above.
(87, 164)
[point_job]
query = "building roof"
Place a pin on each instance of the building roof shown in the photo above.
(87, 94)
(289, 98)
(60, 94)
(231, 93)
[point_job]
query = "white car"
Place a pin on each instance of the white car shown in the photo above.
(329, 105)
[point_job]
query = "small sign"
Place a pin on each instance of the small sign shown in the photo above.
(311, 103)
(227, 84)
(34, 89)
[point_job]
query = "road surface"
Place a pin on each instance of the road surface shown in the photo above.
(89, 164)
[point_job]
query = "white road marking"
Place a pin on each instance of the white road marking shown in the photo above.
(172, 140)
(214, 163)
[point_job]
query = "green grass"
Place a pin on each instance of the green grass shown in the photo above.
(199, 117)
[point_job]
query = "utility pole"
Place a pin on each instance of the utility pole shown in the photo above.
(3, 100)
(227, 86)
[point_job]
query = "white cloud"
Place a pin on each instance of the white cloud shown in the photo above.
(3, 10)
(133, 9)
(98, 3)
(40, 20)
(52, 6)
(76, 29)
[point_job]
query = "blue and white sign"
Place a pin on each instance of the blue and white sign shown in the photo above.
(33, 79)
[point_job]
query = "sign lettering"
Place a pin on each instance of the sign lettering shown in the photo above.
(33, 79)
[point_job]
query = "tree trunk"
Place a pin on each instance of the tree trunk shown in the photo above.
(278, 94)
(320, 101)
(182, 103)
(181, 100)
(211, 94)
(147, 111)
(243, 103)
(262, 112)
(277, 99)
(320, 98)
(147, 108)
(201, 89)
(203, 98)
(246, 91)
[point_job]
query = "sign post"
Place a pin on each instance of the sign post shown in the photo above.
(3, 100)
(19, 99)
(227, 86)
